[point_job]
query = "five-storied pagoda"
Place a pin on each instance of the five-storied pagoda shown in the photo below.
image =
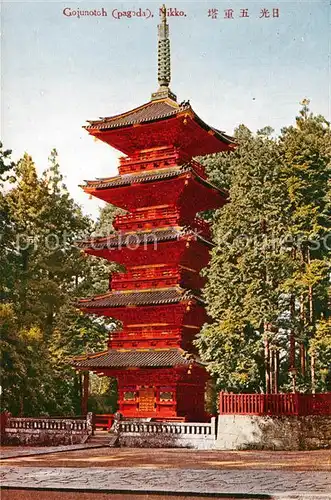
(163, 246)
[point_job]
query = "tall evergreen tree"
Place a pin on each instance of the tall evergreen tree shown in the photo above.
(40, 327)
(247, 268)
(269, 275)
(7, 254)
(306, 149)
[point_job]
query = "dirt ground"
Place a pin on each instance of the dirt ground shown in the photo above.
(176, 458)
(65, 495)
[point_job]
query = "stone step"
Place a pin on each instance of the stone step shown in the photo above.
(107, 440)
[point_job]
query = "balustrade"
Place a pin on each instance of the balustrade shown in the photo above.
(276, 404)
(146, 278)
(148, 333)
(149, 160)
(147, 273)
(189, 429)
(202, 227)
(53, 424)
(153, 217)
(198, 168)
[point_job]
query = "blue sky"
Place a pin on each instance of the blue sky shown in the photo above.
(58, 72)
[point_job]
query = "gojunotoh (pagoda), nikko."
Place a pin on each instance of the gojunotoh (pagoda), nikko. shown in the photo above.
(163, 246)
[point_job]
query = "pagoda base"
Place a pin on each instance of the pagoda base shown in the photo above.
(161, 393)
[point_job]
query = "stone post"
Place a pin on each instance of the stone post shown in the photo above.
(84, 402)
(90, 423)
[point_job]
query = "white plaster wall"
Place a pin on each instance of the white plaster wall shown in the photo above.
(235, 432)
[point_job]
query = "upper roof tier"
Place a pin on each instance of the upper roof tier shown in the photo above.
(134, 358)
(160, 123)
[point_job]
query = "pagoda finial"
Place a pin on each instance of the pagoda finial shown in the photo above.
(164, 63)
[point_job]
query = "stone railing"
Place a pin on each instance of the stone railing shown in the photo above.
(53, 424)
(167, 434)
(188, 429)
(44, 430)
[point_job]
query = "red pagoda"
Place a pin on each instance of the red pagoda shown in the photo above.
(162, 245)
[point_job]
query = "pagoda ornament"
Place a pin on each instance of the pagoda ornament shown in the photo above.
(164, 59)
(162, 245)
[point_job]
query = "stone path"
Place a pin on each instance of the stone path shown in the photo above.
(279, 484)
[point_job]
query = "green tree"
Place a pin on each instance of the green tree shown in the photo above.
(306, 149)
(7, 254)
(104, 225)
(247, 267)
(268, 279)
(42, 330)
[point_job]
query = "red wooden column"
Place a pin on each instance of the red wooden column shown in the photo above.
(85, 393)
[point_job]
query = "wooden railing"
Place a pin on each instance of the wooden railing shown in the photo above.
(200, 169)
(146, 273)
(104, 421)
(158, 158)
(202, 227)
(149, 217)
(275, 404)
(146, 277)
(315, 404)
(144, 337)
(149, 160)
(147, 332)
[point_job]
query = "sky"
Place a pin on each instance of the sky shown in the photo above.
(59, 71)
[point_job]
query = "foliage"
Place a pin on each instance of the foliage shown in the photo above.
(40, 327)
(104, 225)
(268, 276)
(306, 173)
(7, 254)
(320, 345)
(103, 394)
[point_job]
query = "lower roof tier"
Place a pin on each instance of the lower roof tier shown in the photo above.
(172, 306)
(181, 186)
(139, 298)
(172, 246)
(135, 358)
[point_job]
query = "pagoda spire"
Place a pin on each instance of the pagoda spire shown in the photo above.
(164, 60)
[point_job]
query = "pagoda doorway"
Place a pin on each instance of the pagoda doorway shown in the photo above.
(147, 399)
